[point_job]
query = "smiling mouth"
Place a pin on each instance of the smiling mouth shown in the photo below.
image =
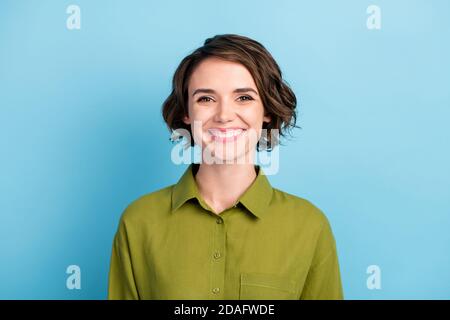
(221, 135)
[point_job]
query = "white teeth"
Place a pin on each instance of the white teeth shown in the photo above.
(225, 134)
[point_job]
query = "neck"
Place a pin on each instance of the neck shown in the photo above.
(221, 185)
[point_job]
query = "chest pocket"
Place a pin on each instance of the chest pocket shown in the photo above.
(260, 286)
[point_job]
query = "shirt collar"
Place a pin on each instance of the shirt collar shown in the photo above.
(256, 198)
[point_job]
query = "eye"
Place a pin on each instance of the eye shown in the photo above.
(204, 99)
(247, 98)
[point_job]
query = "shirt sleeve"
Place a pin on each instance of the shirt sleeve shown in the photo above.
(323, 281)
(122, 283)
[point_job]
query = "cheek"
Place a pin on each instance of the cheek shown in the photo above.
(254, 117)
(195, 116)
(199, 118)
(200, 113)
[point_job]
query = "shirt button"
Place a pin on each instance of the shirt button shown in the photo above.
(217, 255)
(216, 290)
(219, 221)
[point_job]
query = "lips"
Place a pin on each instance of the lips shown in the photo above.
(225, 134)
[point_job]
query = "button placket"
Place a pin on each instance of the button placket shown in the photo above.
(218, 259)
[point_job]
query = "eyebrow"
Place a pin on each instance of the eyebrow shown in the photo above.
(238, 90)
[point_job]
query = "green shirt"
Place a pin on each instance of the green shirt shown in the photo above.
(269, 245)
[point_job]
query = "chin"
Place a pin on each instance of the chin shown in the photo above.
(220, 157)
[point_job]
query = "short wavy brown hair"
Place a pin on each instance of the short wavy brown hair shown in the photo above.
(278, 99)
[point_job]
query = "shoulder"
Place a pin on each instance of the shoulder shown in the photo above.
(147, 207)
(304, 218)
(298, 208)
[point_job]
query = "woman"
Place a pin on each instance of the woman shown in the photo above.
(222, 231)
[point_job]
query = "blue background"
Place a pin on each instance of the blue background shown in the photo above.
(81, 134)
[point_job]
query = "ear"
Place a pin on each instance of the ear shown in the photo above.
(267, 118)
(186, 120)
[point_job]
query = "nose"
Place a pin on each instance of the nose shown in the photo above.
(225, 112)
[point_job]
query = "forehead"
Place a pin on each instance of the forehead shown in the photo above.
(220, 75)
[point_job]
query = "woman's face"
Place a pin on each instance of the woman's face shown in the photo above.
(226, 113)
